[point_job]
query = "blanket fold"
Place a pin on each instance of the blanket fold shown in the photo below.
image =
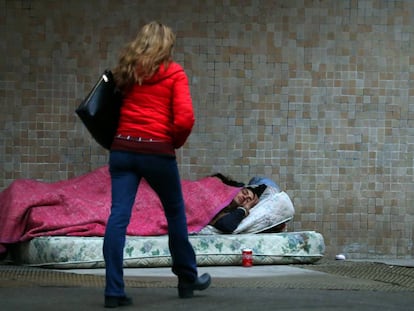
(80, 207)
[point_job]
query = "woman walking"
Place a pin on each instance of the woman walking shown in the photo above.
(156, 118)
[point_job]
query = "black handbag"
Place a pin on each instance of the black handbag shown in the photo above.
(99, 111)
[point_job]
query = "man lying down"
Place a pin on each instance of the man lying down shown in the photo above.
(80, 207)
(249, 196)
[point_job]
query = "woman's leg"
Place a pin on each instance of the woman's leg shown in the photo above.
(124, 188)
(165, 180)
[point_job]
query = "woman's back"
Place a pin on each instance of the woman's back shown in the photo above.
(160, 108)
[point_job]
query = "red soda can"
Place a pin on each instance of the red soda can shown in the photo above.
(247, 257)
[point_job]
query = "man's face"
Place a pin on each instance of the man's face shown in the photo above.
(246, 198)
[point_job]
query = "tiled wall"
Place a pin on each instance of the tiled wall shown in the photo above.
(316, 94)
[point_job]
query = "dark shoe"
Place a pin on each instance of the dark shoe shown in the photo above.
(113, 302)
(186, 289)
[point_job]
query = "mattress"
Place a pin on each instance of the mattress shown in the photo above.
(63, 252)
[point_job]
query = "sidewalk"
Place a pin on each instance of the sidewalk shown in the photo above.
(329, 285)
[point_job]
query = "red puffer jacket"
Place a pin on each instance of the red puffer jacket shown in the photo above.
(159, 109)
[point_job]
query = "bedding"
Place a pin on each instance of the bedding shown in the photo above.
(80, 207)
(62, 252)
(61, 225)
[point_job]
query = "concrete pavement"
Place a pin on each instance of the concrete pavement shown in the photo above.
(280, 287)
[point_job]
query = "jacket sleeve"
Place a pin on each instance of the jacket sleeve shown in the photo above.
(229, 222)
(183, 114)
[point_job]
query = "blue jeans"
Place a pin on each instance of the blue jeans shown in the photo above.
(161, 173)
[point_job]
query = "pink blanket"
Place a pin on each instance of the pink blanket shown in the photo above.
(81, 206)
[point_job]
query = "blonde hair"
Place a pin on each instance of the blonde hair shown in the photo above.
(143, 56)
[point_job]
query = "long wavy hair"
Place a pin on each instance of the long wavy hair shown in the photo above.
(142, 57)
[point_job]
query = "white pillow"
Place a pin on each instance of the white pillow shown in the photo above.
(273, 209)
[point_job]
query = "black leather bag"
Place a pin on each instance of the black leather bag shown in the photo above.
(99, 111)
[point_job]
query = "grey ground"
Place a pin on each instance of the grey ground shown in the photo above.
(325, 285)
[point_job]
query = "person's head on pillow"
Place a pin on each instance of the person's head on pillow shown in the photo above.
(249, 196)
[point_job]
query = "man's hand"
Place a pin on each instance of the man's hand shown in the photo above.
(251, 203)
